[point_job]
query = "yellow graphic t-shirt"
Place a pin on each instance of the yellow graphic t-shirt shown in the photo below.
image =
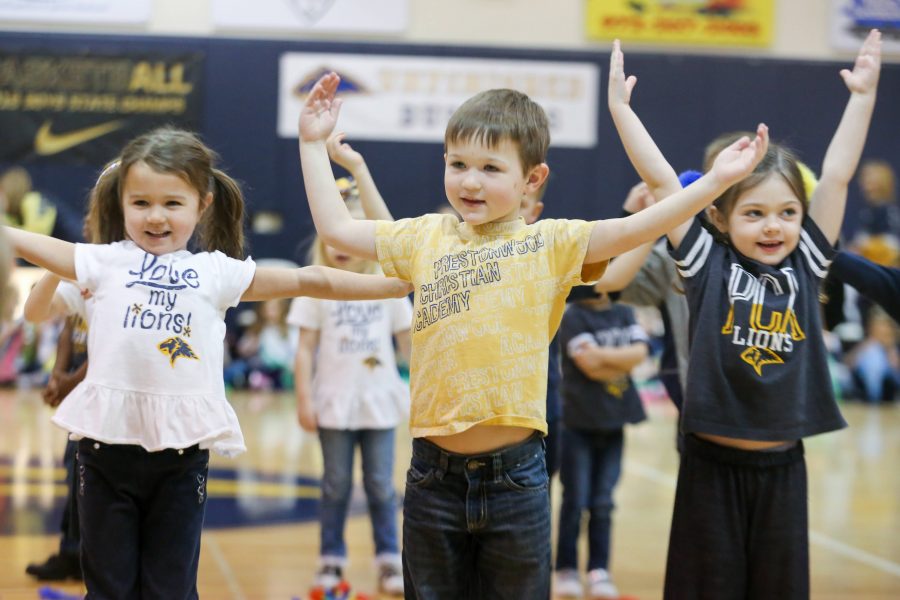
(488, 300)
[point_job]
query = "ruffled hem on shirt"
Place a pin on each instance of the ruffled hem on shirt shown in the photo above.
(153, 421)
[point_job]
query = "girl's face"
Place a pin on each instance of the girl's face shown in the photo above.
(764, 223)
(342, 260)
(161, 209)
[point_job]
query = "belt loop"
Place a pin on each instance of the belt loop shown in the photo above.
(497, 467)
(443, 465)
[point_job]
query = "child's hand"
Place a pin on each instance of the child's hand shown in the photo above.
(50, 394)
(320, 111)
(307, 417)
(864, 77)
(342, 153)
(619, 86)
(639, 198)
(740, 158)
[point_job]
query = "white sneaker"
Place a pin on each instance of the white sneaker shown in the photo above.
(328, 576)
(390, 580)
(567, 584)
(601, 586)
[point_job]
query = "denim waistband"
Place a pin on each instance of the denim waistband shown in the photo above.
(502, 459)
(736, 456)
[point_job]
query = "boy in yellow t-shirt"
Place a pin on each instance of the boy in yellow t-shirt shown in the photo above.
(489, 295)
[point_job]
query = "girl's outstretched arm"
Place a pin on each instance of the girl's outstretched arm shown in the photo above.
(43, 302)
(373, 205)
(830, 198)
(333, 221)
(612, 237)
(322, 282)
(643, 152)
(57, 256)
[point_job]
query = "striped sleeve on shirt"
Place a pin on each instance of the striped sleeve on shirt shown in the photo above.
(694, 250)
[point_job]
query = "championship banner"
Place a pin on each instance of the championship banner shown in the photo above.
(358, 16)
(715, 22)
(84, 108)
(400, 98)
(851, 21)
(75, 11)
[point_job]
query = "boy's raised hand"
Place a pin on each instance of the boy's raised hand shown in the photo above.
(863, 79)
(619, 86)
(342, 153)
(320, 111)
(740, 158)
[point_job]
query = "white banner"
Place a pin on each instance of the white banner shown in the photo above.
(403, 98)
(76, 11)
(851, 21)
(364, 16)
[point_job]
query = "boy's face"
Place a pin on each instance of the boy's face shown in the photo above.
(486, 185)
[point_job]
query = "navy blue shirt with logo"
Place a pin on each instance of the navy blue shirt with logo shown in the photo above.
(590, 405)
(758, 368)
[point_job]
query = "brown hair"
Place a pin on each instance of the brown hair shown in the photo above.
(493, 116)
(181, 153)
(777, 160)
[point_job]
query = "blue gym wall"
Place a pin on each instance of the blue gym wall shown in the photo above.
(684, 100)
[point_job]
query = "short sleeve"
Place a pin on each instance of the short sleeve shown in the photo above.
(692, 255)
(570, 239)
(70, 294)
(636, 333)
(90, 262)
(305, 312)
(815, 248)
(395, 246)
(231, 278)
(401, 314)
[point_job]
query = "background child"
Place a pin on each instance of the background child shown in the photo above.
(348, 388)
(758, 361)
(602, 343)
(489, 297)
(265, 350)
(152, 402)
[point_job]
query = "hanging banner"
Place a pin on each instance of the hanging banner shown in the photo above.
(75, 11)
(360, 16)
(715, 22)
(84, 108)
(851, 21)
(404, 98)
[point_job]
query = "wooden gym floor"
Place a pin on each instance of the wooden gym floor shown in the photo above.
(261, 537)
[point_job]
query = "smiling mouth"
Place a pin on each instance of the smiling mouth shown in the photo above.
(770, 246)
(158, 236)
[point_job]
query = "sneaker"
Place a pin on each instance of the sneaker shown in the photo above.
(328, 576)
(56, 568)
(601, 586)
(567, 584)
(390, 580)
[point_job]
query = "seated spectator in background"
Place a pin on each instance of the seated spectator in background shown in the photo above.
(28, 209)
(875, 362)
(878, 234)
(265, 350)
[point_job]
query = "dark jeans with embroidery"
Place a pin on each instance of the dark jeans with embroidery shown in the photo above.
(141, 514)
(477, 526)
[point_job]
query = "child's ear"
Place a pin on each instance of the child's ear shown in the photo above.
(717, 218)
(205, 202)
(536, 177)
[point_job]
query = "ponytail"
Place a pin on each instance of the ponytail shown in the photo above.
(222, 226)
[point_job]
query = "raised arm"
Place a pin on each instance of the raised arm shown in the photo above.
(830, 198)
(333, 221)
(624, 268)
(646, 157)
(322, 282)
(373, 204)
(614, 236)
(57, 256)
(43, 302)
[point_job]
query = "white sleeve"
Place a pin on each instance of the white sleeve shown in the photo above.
(401, 315)
(90, 262)
(306, 313)
(230, 278)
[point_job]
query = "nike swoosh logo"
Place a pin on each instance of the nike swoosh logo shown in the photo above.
(47, 143)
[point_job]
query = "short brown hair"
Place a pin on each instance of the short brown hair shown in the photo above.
(492, 116)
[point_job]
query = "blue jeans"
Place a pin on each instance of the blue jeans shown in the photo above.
(591, 464)
(477, 526)
(377, 449)
(141, 514)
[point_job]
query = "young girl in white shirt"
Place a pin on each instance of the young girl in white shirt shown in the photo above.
(153, 401)
(349, 389)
